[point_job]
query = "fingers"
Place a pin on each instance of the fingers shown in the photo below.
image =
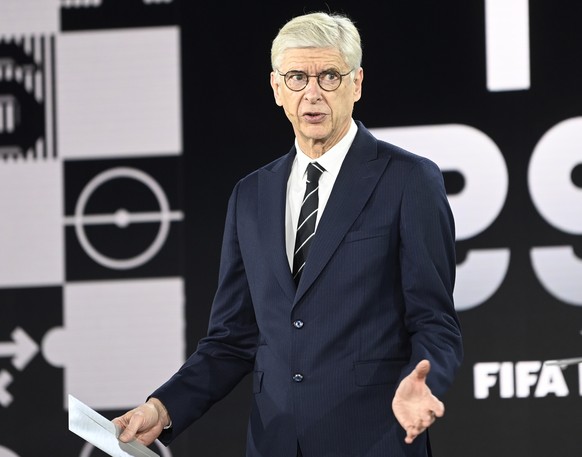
(134, 423)
(433, 410)
(422, 369)
(439, 408)
(424, 422)
(130, 432)
(143, 423)
(131, 426)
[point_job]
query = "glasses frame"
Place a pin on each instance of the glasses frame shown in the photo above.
(316, 76)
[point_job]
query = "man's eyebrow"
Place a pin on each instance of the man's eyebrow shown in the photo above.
(332, 68)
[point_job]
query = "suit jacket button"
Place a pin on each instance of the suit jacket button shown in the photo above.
(298, 323)
(297, 377)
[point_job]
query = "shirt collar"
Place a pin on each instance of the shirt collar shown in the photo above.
(332, 160)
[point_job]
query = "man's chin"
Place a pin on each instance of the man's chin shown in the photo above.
(315, 132)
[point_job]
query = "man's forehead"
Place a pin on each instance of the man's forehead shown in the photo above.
(316, 57)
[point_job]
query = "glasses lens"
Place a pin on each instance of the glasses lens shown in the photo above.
(329, 80)
(296, 80)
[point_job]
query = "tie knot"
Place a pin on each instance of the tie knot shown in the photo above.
(314, 171)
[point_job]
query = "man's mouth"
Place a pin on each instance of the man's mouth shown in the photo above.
(314, 116)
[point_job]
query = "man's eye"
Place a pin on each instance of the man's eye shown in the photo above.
(330, 76)
(296, 76)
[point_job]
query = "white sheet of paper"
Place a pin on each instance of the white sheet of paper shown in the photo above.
(563, 363)
(101, 432)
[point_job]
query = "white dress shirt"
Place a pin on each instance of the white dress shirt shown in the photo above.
(331, 161)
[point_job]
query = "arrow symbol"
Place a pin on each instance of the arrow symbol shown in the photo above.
(22, 348)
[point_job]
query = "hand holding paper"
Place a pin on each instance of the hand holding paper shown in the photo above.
(102, 433)
(144, 423)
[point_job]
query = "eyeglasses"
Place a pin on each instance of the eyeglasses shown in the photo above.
(328, 80)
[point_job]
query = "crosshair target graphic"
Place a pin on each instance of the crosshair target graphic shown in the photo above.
(123, 218)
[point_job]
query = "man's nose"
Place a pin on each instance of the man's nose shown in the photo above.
(312, 90)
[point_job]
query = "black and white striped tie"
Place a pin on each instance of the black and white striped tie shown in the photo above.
(307, 218)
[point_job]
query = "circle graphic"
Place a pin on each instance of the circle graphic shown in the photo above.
(5, 452)
(123, 218)
(88, 449)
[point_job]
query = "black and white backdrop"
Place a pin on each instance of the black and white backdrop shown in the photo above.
(114, 115)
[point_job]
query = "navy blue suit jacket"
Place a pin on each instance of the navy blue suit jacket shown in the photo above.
(375, 298)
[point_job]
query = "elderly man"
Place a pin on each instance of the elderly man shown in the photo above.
(336, 280)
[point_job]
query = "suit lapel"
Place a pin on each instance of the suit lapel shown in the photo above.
(272, 197)
(356, 181)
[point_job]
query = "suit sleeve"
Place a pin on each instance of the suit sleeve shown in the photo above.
(228, 351)
(427, 256)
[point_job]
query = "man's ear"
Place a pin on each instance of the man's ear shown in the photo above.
(358, 78)
(276, 88)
